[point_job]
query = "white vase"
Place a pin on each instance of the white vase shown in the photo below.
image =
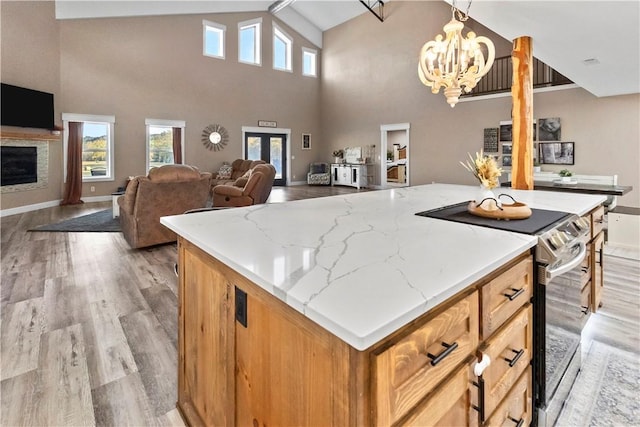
(483, 194)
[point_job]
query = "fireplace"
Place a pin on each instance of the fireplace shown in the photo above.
(19, 165)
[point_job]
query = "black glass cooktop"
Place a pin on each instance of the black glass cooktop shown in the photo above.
(539, 221)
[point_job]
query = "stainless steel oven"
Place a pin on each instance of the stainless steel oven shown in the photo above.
(562, 307)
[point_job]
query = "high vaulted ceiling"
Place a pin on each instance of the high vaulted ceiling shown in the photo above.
(596, 44)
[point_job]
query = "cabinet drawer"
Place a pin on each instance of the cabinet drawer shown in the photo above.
(516, 409)
(410, 369)
(510, 351)
(450, 404)
(597, 221)
(505, 294)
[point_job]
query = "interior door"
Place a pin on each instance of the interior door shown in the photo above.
(271, 148)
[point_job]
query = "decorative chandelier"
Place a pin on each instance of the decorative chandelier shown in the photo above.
(456, 61)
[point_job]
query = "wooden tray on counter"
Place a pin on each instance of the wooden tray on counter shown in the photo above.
(514, 210)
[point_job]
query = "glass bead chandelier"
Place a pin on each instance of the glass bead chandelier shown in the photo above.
(455, 62)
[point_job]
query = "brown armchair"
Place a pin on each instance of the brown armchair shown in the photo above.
(167, 190)
(255, 191)
(238, 168)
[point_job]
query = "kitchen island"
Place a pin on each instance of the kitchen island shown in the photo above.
(318, 311)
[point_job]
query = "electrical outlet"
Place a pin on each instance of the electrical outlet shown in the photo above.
(93, 189)
(294, 177)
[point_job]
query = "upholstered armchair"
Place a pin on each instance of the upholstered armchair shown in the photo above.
(319, 174)
(167, 190)
(254, 191)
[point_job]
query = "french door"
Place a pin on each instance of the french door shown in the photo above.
(271, 148)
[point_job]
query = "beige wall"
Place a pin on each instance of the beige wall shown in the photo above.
(31, 58)
(370, 78)
(153, 67)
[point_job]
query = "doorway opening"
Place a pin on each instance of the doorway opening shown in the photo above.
(270, 145)
(394, 155)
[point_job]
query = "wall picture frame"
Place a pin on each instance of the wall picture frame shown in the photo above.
(557, 153)
(306, 141)
(549, 129)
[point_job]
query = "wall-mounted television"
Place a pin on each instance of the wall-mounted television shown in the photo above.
(26, 108)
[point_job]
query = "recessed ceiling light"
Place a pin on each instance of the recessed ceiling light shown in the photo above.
(591, 61)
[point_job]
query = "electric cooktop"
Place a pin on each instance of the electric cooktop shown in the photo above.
(539, 221)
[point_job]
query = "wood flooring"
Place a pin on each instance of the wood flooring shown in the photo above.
(89, 325)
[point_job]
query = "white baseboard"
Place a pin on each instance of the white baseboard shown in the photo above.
(298, 183)
(52, 203)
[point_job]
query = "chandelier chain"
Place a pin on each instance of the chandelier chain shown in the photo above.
(462, 17)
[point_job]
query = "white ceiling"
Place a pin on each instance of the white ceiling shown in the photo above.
(564, 33)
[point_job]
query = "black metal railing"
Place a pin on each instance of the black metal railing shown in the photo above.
(499, 78)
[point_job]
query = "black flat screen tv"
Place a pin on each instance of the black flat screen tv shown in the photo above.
(26, 108)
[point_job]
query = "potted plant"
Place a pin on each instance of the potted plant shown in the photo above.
(565, 175)
(337, 154)
(536, 166)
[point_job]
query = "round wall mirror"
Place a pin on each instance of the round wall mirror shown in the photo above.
(215, 137)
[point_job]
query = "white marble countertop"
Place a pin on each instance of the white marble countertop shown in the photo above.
(363, 265)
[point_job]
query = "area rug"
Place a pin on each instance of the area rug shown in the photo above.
(606, 390)
(96, 222)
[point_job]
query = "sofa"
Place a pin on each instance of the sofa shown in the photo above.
(239, 167)
(166, 190)
(254, 190)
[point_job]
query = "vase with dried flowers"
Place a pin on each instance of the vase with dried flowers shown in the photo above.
(486, 170)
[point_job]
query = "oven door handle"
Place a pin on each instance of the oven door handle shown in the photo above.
(554, 272)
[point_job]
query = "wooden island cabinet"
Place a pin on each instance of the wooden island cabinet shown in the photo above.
(246, 358)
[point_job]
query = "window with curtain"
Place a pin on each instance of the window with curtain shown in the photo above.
(249, 41)
(282, 46)
(165, 142)
(213, 39)
(97, 146)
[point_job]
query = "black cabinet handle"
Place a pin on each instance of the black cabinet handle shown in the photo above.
(518, 422)
(585, 309)
(480, 407)
(447, 351)
(514, 295)
(515, 358)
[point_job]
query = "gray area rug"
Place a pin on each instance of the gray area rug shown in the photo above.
(607, 390)
(96, 222)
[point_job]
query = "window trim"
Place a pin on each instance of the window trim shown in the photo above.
(110, 120)
(278, 32)
(257, 23)
(306, 50)
(223, 34)
(164, 123)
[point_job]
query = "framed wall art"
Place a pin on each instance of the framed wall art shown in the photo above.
(491, 140)
(557, 153)
(549, 129)
(306, 141)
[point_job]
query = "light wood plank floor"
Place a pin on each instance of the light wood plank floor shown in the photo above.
(89, 326)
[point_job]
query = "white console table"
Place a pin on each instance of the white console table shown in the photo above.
(351, 174)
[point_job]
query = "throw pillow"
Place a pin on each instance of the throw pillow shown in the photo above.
(224, 172)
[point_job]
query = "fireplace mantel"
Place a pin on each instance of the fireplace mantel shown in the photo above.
(28, 136)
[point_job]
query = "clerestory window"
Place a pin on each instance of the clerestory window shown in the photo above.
(309, 63)
(282, 46)
(213, 39)
(249, 41)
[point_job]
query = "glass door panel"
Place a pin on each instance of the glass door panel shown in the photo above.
(275, 150)
(271, 148)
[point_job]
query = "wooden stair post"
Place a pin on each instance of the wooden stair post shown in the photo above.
(522, 114)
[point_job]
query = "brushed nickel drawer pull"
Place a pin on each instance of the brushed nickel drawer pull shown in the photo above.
(447, 351)
(518, 422)
(515, 358)
(514, 295)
